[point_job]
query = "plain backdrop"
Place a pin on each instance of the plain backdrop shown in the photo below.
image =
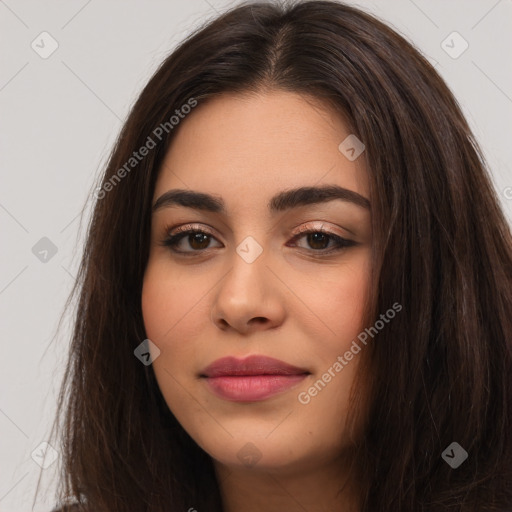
(59, 117)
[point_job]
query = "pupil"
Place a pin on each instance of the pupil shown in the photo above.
(314, 238)
(198, 241)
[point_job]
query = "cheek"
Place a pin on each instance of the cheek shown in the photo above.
(158, 305)
(347, 302)
(168, 301)
(336, 303)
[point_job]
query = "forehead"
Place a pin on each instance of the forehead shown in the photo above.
(247, 147)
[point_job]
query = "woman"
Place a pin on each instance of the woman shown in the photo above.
(296, 288)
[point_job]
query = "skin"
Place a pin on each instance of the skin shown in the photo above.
(292, 303)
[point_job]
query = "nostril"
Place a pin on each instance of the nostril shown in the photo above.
(259, 320)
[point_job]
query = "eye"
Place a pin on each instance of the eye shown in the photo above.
(192, 241)
(322, 241)
(196, 239)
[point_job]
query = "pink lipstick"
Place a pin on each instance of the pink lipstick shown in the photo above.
(251, 379)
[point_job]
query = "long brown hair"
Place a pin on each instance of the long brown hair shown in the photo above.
(440, 372)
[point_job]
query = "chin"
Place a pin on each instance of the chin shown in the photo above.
(259, 453)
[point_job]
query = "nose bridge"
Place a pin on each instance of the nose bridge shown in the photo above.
(248, 275)
(247, 291)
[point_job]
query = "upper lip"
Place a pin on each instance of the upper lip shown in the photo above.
(252, 365)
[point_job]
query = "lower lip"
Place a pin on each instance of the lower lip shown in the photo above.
(252, 388)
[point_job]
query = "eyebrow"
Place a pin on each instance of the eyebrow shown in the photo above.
(282, 201)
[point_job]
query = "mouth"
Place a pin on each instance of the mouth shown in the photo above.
(251, 379)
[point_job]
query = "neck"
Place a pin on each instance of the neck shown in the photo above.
(315, 488)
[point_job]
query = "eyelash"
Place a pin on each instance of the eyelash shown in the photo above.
(172, 241)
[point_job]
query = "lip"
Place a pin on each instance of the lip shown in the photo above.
(251, 379)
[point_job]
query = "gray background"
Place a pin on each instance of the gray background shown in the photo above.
(59, 118)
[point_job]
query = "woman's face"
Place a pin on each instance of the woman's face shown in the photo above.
(257, 284)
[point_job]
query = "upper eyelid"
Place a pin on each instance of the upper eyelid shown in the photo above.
(209, 231)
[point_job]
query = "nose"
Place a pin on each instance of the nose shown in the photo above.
(249, 298)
